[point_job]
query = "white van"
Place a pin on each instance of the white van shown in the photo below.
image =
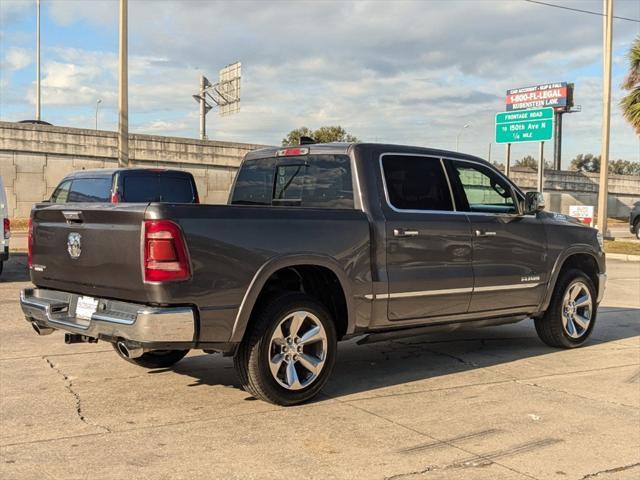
(6, 228)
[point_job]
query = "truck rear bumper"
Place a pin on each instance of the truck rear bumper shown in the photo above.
(4, 253)
(111, 320)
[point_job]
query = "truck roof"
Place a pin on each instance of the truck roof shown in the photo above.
(91, 172)
(345, 148)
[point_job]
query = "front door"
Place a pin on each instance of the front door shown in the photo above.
(509, 249)
(428, 244)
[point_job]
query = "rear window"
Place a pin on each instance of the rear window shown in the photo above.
(89, 190)
(321, 181)
(157, 187)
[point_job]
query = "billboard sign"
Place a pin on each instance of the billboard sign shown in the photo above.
(524, 126)
(556, 95)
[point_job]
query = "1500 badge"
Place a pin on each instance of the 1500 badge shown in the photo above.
(530, 278)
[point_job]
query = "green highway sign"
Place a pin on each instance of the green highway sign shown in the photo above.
(524, 126)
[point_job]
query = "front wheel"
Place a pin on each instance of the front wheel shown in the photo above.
(571, 315)
(288, 353)
(154, 358)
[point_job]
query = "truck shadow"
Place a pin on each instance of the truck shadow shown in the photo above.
(461, 357)
(15, 269)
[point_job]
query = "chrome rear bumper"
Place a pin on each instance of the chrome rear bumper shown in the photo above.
(112, 319)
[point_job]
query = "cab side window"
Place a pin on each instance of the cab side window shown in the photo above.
(482, 190)
(61, 193)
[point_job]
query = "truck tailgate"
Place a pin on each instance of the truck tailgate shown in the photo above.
(89, 249)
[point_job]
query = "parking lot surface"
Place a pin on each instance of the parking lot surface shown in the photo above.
(493, 403)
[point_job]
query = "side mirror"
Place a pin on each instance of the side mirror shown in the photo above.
(533, 202)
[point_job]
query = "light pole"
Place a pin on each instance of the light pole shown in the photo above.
(603, 184)
(37, 59)
(467, 125)
(123, 97)
(98, 102)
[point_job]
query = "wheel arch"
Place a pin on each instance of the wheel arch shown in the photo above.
(291, 263)
(581, 257)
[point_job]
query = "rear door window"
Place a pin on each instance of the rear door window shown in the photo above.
(90, 190)
(416, 183)
(157, 187)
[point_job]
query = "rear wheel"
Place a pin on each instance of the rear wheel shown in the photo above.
(288, 354)
(636, 226)
(154, 358)
(571, 315)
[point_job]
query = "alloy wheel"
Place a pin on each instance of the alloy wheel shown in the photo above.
(577, 310)
(297, 350)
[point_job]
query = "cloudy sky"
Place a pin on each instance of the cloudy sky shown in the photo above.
(406, 72)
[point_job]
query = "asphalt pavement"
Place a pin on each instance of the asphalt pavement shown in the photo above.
(487, 404)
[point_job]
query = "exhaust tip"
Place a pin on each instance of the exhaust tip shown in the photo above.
(129, 351)
(41, 330)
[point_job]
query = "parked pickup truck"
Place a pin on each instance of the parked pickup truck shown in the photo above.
(319, 243)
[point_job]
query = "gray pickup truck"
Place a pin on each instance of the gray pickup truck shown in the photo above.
(319, 243)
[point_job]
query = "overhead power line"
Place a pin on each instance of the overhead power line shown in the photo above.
(563, 7)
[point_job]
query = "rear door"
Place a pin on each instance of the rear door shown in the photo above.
(428, 244)
(509, 249)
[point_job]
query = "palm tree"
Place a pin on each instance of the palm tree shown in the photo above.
(631, 102)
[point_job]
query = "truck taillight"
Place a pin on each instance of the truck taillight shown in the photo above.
(6, 228)
(30, 244)
(115, 198)
(164, 252)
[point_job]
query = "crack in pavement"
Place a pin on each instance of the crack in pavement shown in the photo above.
(612, 470)
(564, 392)
(76, 395)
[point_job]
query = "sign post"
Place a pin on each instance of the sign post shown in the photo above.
(541, 168)
(507, 162)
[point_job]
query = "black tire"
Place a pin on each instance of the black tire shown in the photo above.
(155, 358)
(252, 358)
(1, 266)
(550, 327)
(636, 226)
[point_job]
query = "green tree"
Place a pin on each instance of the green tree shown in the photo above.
(529, 162)
(585, 162)
(333, 133)
(588, 162)
(630, 103)
(624, 167)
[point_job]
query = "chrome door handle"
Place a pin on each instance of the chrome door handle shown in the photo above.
(484, 233)
(401, 232)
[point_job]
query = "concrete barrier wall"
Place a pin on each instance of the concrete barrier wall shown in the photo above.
(564, 188)
(33, 159)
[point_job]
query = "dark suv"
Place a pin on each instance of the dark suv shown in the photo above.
(634, 220)
(126, 185)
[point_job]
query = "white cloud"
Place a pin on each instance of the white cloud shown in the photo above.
(17, 59)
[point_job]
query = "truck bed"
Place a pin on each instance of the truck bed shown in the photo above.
(227, 245)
